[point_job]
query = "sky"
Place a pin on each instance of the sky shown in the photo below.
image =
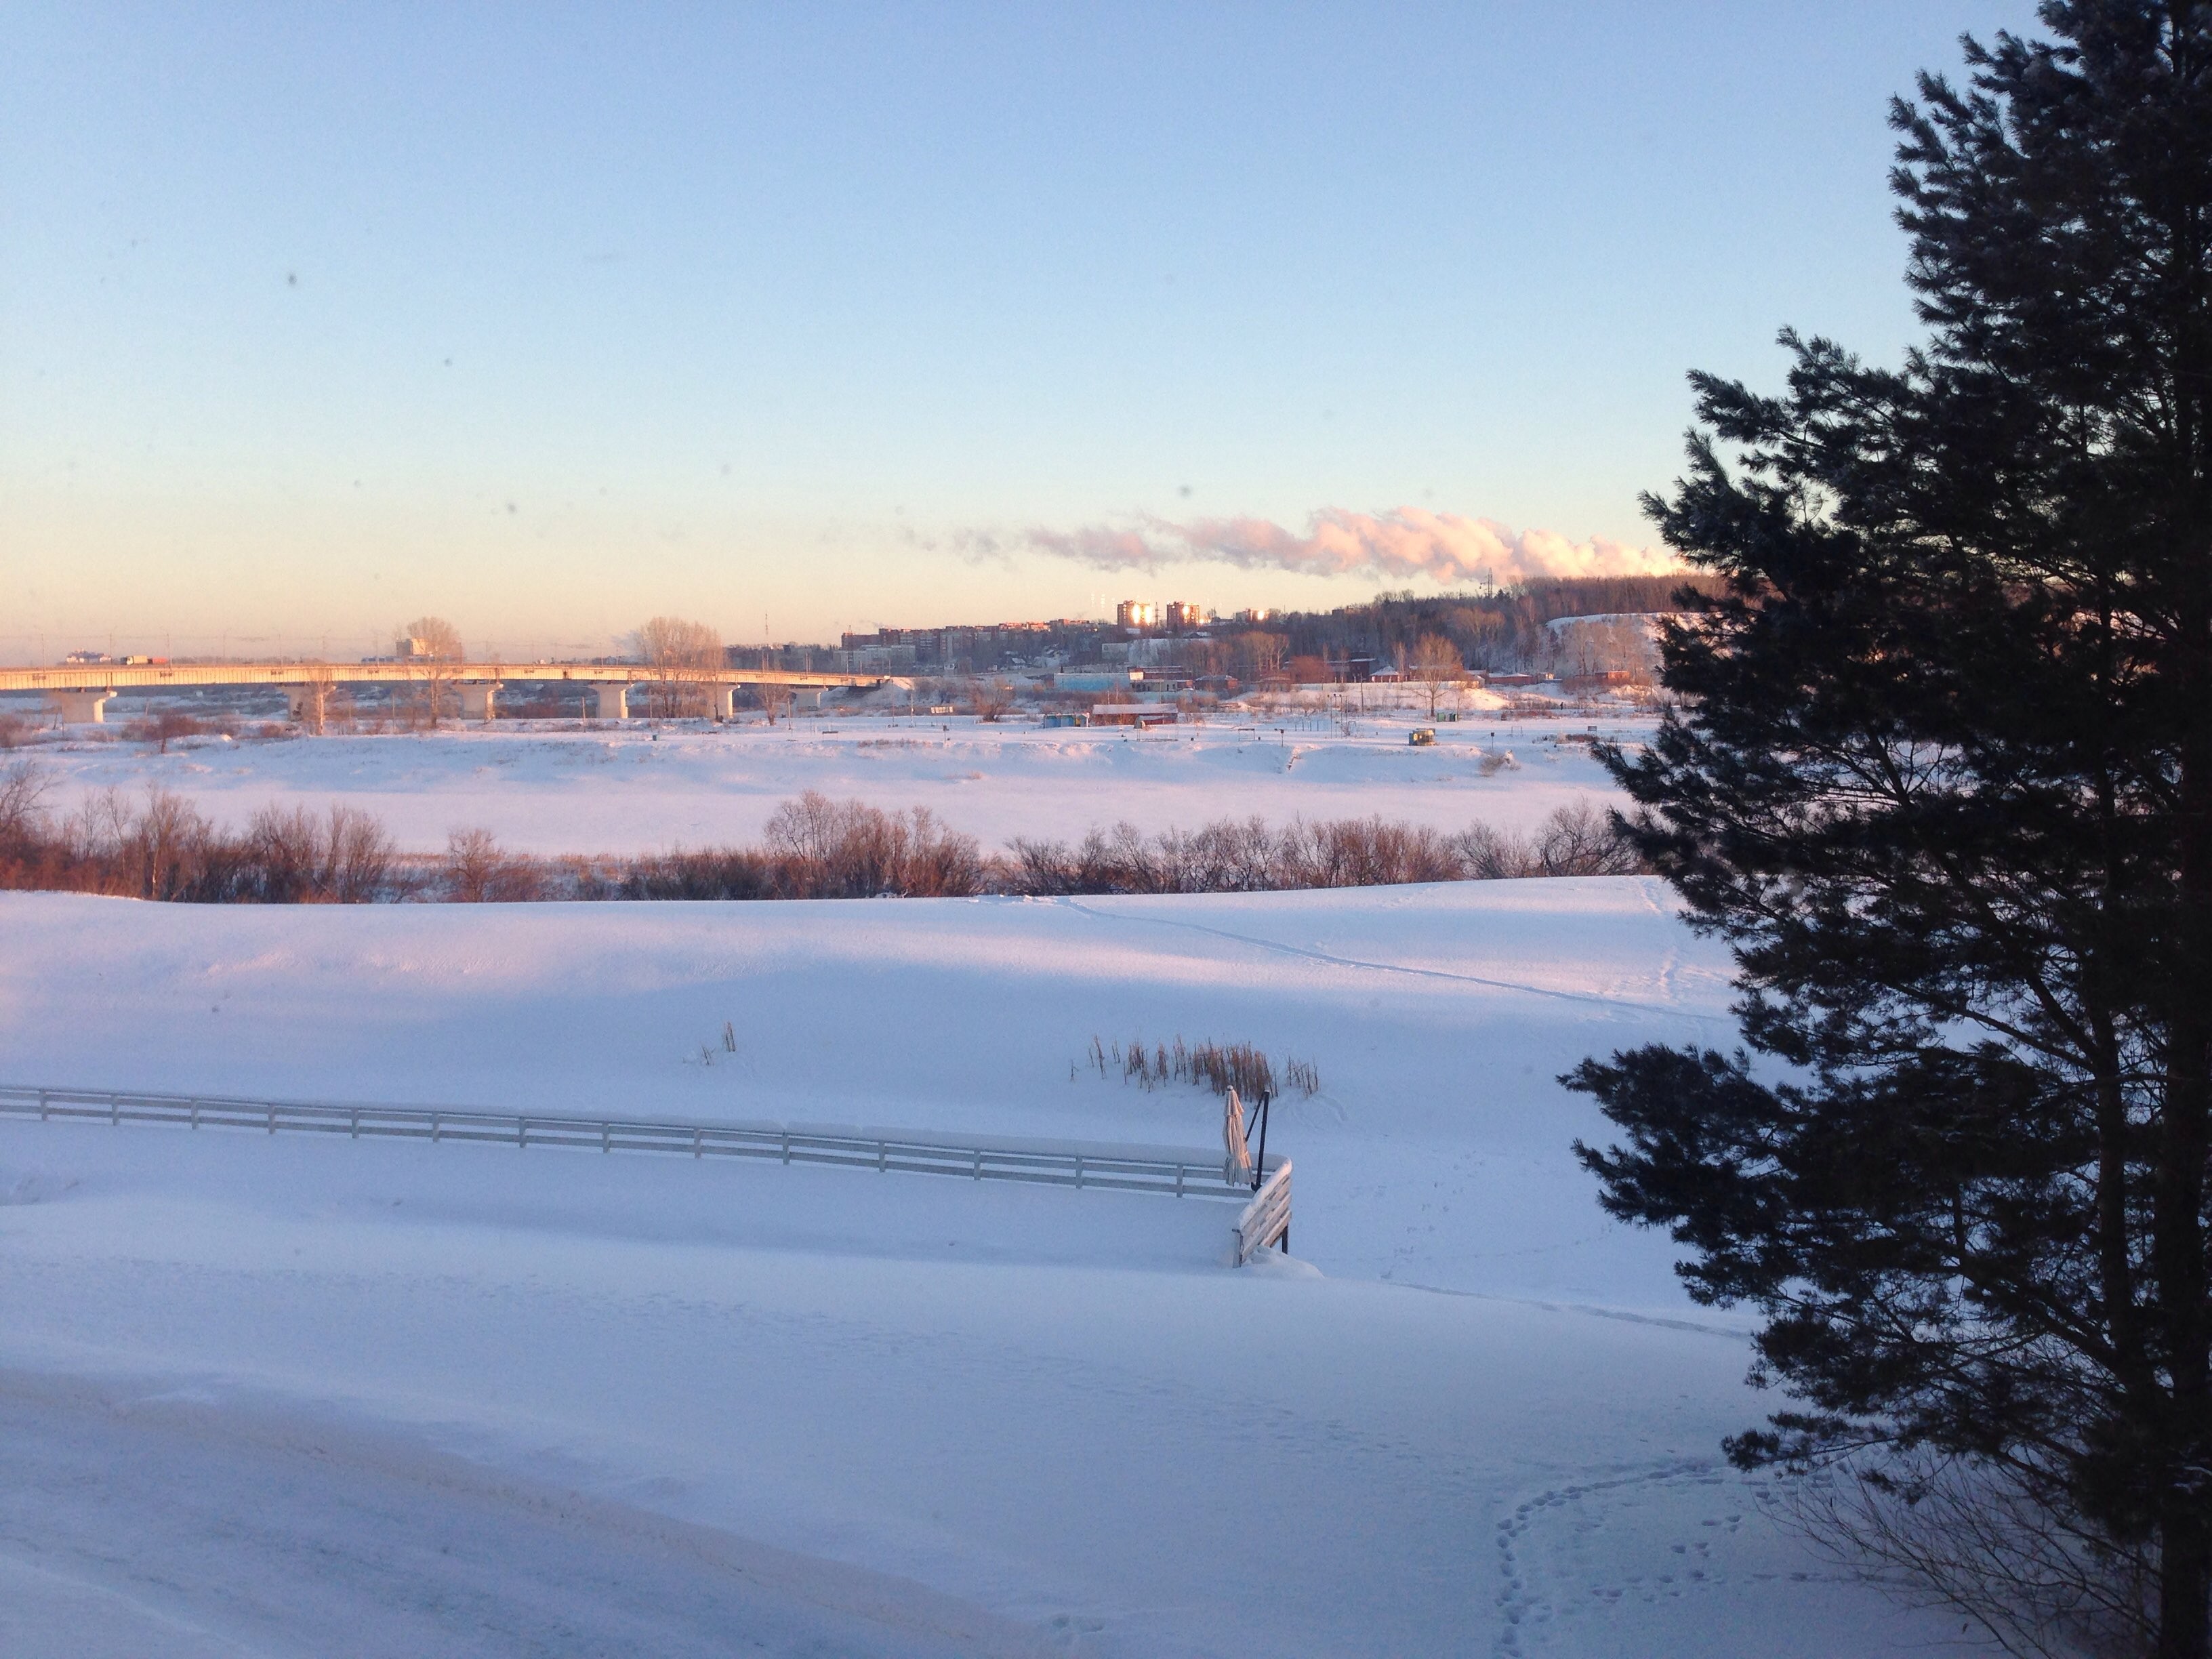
(793, 319)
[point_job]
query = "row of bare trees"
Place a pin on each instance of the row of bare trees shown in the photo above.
(1248, 855)
(160, 846)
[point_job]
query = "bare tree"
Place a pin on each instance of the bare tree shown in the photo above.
(1437, 664)
(1263, 654)
(774, 700)
(162, 729)
(990, 699)
(439, 648)
(685, 655)
(22, 802)
(315, 705)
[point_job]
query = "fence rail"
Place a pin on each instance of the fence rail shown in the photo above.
(1058, 1164)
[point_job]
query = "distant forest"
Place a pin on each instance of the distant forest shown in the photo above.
(1497, 630)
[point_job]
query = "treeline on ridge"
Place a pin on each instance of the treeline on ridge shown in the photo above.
(1508, 628)
(161, 846)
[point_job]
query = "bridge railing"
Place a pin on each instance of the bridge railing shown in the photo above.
(1179, 1172)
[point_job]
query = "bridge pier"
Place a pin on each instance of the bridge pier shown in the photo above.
(479, 699)
(611, 702)
(726, 702)
(82, 708)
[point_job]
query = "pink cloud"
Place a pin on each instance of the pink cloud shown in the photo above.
(1406, 541)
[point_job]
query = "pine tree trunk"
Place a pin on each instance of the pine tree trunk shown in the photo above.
(2178, 1240)
(2184, 1577)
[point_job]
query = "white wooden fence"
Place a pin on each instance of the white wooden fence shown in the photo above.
(1182, 1172)
(1267, 1219)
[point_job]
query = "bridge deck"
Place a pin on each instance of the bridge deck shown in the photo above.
(119, 677)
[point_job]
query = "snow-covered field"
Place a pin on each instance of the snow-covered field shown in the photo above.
(635, 789)
(294, 1396)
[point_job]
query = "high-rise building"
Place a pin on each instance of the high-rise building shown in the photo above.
(1136, 613)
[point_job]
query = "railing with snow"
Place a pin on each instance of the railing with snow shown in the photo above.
(1184, 1173)
(1265, 1221)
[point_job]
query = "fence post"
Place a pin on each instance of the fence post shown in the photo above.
(434, 1128)
(787, 1145)
(1079, 1172)
(272, 1120)
(521, 1135)
(42, 1105)
(606, 1137)
(114, 1111)
(195, 1114)
(698, 1143)
(356, 1122)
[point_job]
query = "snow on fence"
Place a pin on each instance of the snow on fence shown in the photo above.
(1267, 1219)
(1182, 1173)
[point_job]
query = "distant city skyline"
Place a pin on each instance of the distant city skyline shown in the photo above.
(797, 322)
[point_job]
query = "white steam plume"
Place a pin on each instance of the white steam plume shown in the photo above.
(1406, 541)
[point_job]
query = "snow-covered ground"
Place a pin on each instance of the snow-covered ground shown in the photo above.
(636, 789)
(285, 1396)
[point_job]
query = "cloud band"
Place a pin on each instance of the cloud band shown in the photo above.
(1406, 541)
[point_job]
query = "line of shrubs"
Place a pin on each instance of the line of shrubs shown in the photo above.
(160, 846)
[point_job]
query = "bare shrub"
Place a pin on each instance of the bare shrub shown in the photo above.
(358, 856)
(160, 851)
(1995, 1540)
(1366, 853)
(1488, 855)
(824, 849)
(478, 870)
(163, 728)
(1215, 1065)
(711, 874)
(15, 731)
(990, 699)
(342, 856)
(1581, 841)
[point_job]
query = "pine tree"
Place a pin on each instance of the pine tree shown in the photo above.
(1942, 778)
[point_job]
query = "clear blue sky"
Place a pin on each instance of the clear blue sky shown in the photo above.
(545, 317)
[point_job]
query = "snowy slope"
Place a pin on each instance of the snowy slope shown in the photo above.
(1040, 1417)
(616, 791)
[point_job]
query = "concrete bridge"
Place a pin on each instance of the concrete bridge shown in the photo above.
(80, 691)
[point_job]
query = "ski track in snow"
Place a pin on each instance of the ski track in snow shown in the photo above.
(1310, 954)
